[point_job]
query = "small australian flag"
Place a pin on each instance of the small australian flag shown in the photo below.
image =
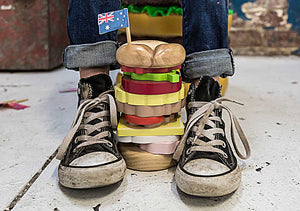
(112, 21)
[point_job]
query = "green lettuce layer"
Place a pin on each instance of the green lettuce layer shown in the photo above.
(154, 11)
(158, 11)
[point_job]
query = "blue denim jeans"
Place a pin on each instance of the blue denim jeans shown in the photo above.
(205, 37)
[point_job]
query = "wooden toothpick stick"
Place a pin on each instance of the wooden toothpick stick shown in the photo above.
(21, 101)
(128, 35)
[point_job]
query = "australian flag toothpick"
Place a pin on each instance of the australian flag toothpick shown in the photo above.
(112, 21)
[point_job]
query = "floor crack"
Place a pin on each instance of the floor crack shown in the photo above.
(22, 192)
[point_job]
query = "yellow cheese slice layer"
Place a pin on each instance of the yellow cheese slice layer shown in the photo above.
(170, 129)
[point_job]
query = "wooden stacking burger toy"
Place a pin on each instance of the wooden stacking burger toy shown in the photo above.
(150, 97)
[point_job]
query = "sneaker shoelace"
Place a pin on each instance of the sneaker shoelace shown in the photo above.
(84, 116)
(205, 115)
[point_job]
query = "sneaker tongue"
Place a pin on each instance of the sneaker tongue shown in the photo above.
(207, 90)
(92, 87)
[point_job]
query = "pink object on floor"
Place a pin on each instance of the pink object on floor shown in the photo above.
(68, 90)
(13, 105)
(160, 148)
(16, 106)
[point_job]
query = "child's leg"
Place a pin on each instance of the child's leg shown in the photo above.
(205, 38)
(207, 165)
(89, 155)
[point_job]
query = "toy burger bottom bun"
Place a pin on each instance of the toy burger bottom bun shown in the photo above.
(138, 159)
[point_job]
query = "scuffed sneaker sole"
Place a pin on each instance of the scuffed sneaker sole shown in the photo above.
(208, 186)
(92, 177)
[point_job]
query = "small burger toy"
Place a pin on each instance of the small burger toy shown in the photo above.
(150, 97)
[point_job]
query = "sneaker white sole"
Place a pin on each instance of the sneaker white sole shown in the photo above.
(208, 186)
(91, 177)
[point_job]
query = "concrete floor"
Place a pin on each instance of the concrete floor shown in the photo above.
(269, 88)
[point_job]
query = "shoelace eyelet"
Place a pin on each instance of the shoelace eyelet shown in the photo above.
(225, 155)
(224, 145)
(188, 141)
(109, 144)
(188, 151)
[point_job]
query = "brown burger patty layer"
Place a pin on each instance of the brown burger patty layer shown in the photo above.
(149, 111)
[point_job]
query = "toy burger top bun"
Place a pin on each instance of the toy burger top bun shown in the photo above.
(150, 54)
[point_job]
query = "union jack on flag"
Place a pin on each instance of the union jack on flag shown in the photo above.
(112, 21)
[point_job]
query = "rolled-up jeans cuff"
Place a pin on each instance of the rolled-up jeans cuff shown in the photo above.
(91, 55)
(208, 63)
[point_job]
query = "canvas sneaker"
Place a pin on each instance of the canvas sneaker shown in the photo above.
(207, 166)
(89, 155)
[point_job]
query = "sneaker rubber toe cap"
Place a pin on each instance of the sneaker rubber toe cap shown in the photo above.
(93, 159)
(205, 167)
